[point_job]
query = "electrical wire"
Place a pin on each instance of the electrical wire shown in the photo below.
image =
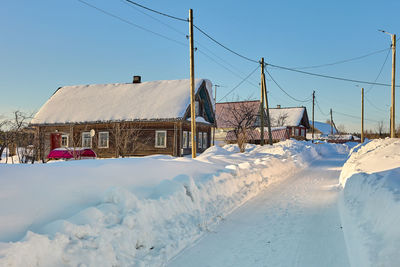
(154, 18)
(155, 11)
(352, 116)
(131, 23)
(373, 105)
(320, 109)
(240, 83)
(380, 72)
(280, 87)
(343, 61)
(327, 76)
(225, 47)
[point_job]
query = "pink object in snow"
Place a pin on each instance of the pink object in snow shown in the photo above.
(70, 153)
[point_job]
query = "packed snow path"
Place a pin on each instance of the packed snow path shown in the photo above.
(292, 223)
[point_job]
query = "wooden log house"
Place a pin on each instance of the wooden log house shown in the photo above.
(133, 119)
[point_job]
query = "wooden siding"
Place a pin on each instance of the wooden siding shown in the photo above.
(139, 136)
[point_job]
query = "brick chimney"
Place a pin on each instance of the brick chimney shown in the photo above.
(137, 79)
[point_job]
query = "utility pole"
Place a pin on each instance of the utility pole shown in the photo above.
(262, 104)
(392, 124)
(215, 103)
(192, 93)
(362, 115)
(264, 89)
(331, 123)
(313, 104)
(392, 107)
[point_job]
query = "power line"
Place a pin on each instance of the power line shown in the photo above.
(155, 11)
(352, 116)
(198, 28)
(373, 105)
(150, 16)
(295, 99)
(327, 76)
(379, 74)
(225, 47)
(131, 23)
(242, 81)
(343, 61)
(323, 113)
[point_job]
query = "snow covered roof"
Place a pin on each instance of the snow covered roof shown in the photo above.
(156, 100)
(292, 116)
(324, 128)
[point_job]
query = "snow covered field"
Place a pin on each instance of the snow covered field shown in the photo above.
(134, 211)
(148, 211)
(370, 203)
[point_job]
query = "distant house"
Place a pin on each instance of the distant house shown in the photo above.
(294, 119)
(126, 119)
(231, 115)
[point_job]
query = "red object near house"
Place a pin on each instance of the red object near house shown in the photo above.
(55, 141)
(66, 153)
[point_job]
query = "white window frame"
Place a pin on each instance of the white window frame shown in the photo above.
(165, 139)
(205, 140)
(185, 139)
(88, 133)
(108, 139)
(67, 136)
(200, 140)
(190, 139)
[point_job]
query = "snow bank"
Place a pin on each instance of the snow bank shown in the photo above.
(370, 203)
(133, 211)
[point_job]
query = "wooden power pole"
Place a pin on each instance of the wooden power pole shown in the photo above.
(215, 103)
(262, 104)
(264, 86)
(192, 93)
(331, 123)
(362, 115)
(313, 105)
(392, 121)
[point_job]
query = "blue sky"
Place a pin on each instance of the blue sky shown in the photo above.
(47, 44)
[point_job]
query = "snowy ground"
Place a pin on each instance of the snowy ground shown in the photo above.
(370, 203)
(136, 211)
(271, 206)
(292, 223)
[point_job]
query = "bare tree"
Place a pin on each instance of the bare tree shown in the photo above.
(380, 128)
(128, 138)
(281, 120)
(242, 117)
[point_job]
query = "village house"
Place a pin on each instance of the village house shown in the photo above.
(285, 122)
(126, 119)
(293, 119)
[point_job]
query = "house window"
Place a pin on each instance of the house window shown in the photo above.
(64, 140)
(205, 140)
(303, 132)
(197, 108)
(161, 139)
(103, 139)
(185, 139)
(200, 140)
(296, 132)
(190, 139)
(86, 139)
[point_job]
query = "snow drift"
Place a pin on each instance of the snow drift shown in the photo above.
(370, 203)
(132, 211)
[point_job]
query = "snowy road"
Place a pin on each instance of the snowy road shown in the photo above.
(292, 223)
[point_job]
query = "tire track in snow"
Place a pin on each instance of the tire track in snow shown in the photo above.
(291, 223)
